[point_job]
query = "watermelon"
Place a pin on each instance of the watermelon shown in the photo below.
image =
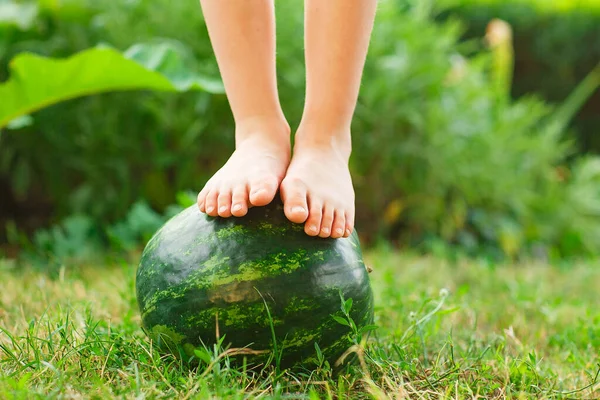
(257, 282)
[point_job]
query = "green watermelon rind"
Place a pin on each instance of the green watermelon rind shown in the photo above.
(196, 266)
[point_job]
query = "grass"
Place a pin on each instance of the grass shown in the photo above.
(446, 330)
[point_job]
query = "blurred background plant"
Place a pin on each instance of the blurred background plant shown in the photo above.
(556, 42)
(450, 155)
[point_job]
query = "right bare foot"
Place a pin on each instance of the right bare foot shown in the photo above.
(252, 175)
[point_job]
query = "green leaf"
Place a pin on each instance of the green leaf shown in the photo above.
(449, 310)
(340, 320)
(169, 58)
(319, 353)
(367, 328)
(203, 355)
(36, 82)
(348, 306)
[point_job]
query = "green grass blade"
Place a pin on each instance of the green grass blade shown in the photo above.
(567, 110)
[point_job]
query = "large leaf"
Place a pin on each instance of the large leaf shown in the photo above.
(36, 82)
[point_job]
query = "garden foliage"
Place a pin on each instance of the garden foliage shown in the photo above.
(557, 43)
(442, 154)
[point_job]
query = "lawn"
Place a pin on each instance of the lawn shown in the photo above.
(446, 330)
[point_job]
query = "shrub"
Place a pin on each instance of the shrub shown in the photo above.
(98, 155)
(441, 152)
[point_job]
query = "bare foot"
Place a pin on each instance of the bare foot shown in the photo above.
(252, 174)
(317, 189)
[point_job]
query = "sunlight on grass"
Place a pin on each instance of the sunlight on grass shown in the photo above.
(445, 330)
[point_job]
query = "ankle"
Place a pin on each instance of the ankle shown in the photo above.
(324, 137)
(274, 129)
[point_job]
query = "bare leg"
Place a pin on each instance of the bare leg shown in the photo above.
(317, 189)
(242, 33)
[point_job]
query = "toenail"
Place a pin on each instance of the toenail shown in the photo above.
(313, 228)
(325, 230)
(339, 231)
(298, 209)
(222, 208)
(348, 232)
(237, 207)
(210, 209)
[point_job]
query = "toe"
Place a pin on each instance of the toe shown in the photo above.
(262, 191)
(313, 223)
(211, 202)
(224, 203)
(326, 222)
(201, 200)
(239, 201)
(349, 223)
(293, 193)
(339, 225)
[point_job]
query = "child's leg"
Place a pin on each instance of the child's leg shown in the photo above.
(318, 187)
(242, 33)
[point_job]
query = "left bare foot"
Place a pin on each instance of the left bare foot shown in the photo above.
(317, 189)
